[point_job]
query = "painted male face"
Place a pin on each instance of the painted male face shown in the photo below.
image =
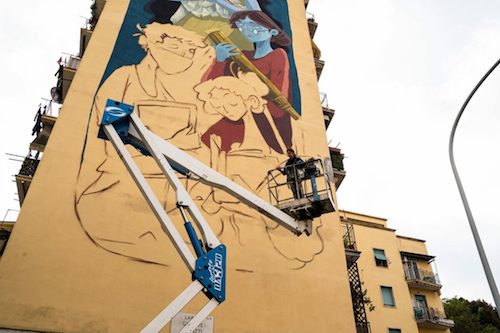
(253, 31)
(172, 55)
(228, 104)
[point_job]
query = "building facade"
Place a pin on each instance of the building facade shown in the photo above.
(86, 253)
(397, 278)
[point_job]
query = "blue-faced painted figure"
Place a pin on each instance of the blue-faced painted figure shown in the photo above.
(272, 60)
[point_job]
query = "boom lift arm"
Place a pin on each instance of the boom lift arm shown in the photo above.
(121, 126)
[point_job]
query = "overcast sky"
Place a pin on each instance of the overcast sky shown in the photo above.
(397, 73)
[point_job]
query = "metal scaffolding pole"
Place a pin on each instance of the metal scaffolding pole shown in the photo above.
(475, 233)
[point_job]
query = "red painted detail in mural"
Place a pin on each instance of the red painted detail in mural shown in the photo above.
(276, 67)
(229, 131)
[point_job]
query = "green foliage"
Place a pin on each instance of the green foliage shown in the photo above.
(368, 301)
(472, 316)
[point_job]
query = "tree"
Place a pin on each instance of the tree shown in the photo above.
(486, 312)
(472, 316)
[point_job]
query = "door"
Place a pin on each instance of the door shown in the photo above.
(421, 307)
(412, 269)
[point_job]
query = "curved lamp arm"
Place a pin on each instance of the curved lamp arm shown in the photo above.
(475, 233)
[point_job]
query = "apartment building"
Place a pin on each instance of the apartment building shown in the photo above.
(82, 281)
(397, 277)
(97, 260)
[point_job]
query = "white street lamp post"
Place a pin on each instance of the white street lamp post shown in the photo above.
(477, 239)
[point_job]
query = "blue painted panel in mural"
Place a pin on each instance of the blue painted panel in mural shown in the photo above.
(259, 29)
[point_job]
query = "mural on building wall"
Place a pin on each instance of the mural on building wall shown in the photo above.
(218, 79)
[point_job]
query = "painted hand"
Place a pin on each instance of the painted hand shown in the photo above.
(224, 51)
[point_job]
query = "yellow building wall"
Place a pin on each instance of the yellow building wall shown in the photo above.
(433, 330)
(433, 298)
(363, 218)
(57, 275)
(415, 246)
(433, 301)
(384, 317)
(407, 244)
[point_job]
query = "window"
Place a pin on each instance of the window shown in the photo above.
(394, 330)
(380, 258)
(387, 296)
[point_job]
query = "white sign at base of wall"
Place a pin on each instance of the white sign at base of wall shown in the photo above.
(181, 320)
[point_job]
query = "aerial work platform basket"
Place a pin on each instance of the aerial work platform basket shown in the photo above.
(302, 190)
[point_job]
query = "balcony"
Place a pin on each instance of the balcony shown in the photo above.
(85, 35)
(5, 231)
(363, 328)
(25, 176)
(320, 64)
(96, 8)
(312, 24)
(328, 112)
(338, 166)
(46, 124)
(65, 75)
(432, 318)
(420, 279)
(4, 238)
(316, 50)
(351, 252)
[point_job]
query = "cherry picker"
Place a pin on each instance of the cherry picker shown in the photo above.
(122, 126)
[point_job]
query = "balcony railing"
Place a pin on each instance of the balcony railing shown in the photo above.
(96, 8)
(338, 166)
(320, 64)
(85, 35)
(363, 328)
(421, 279)
(348, 236)
(432, 318)
(45, 126)
(328, 112)
(65, 75)
(28, 167)
(4, 238)
(311, 22)
(25, 176)
(337, 159)
(351, 251)
(72, 62)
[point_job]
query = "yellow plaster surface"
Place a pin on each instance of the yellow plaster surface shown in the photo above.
(412, 246)
(63, 273)
(384, 317)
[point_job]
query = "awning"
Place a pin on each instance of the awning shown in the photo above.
(417, 256)
(379, 254)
